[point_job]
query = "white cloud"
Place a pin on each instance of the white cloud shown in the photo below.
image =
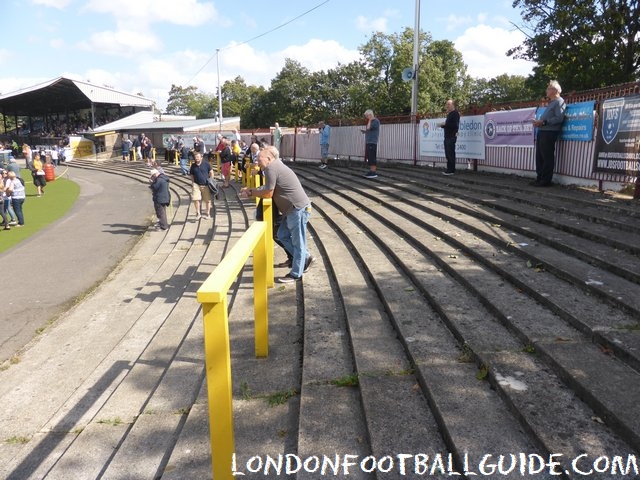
(56, 43)
(320, 54)
(484, 50)
(369, 25)
(59, 4)
(125, 43)
(186, 12)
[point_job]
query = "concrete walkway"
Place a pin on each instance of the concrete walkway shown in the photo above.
(92, 239)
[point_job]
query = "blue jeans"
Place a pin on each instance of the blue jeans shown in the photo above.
(293, 235)
(183, 166)
(17, 207)
(324, 151)
(8, 209)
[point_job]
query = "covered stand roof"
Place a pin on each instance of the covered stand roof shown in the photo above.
(62, 95)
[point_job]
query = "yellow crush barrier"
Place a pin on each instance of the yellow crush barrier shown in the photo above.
(213, 297)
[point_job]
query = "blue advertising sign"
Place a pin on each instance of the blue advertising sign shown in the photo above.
(578, 121)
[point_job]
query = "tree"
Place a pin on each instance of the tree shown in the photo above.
(442, 73)
(190, 101)
(501, 89)
(584, 44)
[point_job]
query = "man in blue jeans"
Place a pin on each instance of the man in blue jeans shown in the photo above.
(282, 184)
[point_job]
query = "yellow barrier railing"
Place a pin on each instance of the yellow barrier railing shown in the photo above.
(213, 297)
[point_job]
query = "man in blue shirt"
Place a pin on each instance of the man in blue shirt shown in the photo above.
(371, 135)
(325, 133)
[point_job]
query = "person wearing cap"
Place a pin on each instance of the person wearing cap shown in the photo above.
(159, 185)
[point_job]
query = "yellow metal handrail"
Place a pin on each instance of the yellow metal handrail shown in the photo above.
(212, 294)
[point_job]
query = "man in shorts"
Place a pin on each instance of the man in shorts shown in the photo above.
(200, 172)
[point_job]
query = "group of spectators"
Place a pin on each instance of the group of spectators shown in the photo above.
(13, 195)
(72, 125)
(141, 146)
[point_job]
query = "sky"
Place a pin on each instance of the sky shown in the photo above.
(146, 46)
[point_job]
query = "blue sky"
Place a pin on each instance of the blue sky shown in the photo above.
(147, 45)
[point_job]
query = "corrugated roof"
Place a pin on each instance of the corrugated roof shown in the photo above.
(63, 94)
(147, 121)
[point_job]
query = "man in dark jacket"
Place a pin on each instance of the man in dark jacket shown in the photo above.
(161, 197)
(450, 125)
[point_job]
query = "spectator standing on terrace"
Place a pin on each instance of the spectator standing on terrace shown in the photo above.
(159, 185)
(126, 149)
(147, 149)
(371, 135)
(277, 136)
(325, 134)
(184, 158)
(282, 184)
(450, 126)
(200, 172)
(549, 126)
(225, 161)
(137, 147)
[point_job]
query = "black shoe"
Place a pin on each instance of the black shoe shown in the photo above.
(534, 183)
(448, 173)
(287, 263)
(307, 263)
(288, 278)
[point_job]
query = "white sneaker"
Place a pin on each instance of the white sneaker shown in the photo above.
(323, 166)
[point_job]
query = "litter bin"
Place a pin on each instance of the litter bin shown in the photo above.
(49, 172)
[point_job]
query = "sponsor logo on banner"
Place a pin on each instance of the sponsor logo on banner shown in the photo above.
(611, 116)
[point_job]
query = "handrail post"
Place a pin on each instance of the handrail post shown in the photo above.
(267, 216)
(260, 300)
(217, 356)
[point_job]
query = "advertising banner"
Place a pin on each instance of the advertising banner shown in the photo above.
(470, 143)
(578, 121)
(618, 141)
(509, 127)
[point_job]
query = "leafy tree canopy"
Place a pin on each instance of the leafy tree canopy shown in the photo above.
(585, 44)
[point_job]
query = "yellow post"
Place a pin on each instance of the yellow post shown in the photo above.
(260, 303)
(217, 356)
(135, 154)
(218, 163)
(246, 178)
(267, 216)
(177, 158)
(153, 154)
(213, 297)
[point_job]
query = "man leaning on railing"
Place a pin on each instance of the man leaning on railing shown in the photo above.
(282, 184)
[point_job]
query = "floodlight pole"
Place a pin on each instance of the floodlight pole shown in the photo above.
(414, 84)
(416, 51)
(219, 90)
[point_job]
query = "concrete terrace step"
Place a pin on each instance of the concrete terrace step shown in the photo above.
(420, 330)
